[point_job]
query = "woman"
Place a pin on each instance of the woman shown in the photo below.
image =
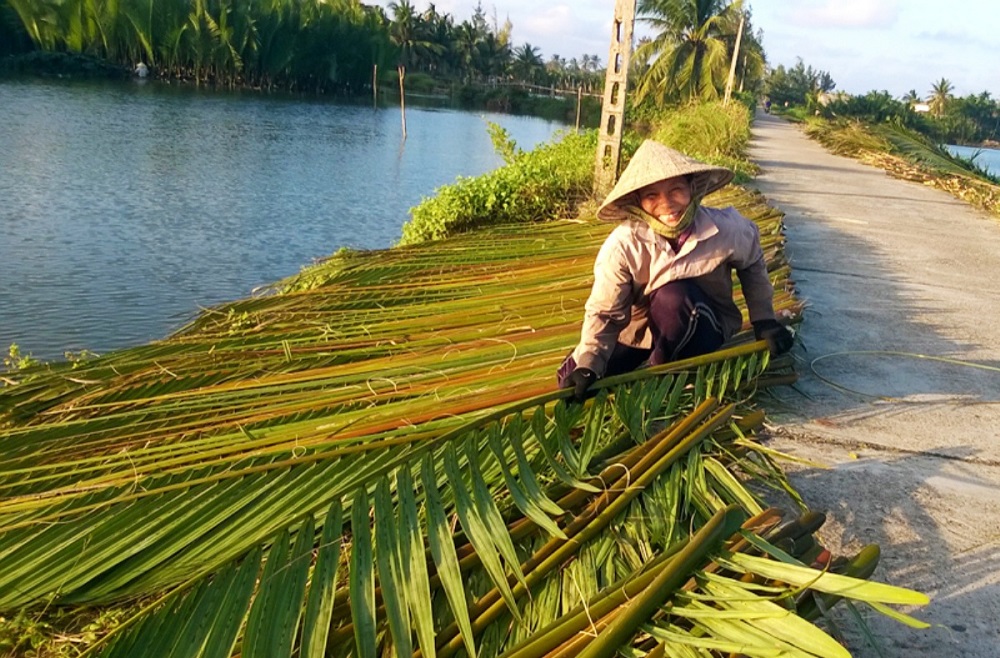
(663, 279)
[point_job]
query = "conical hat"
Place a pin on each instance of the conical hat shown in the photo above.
(654, 162)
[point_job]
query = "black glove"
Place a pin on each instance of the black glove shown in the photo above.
(580, 380)
(779, 339)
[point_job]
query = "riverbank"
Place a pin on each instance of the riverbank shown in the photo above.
(909, 156)
(274, 409)
(61, 65)
(422, 90)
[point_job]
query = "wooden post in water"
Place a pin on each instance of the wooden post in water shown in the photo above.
(579, 101)
(402, 97)
(609, 140)
(375, 84)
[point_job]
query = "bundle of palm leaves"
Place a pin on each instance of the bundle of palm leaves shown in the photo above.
(376, 461)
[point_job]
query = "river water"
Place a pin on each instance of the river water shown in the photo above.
(124, 207)
(988, 159)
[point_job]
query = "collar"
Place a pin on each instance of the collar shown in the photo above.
(702, 228)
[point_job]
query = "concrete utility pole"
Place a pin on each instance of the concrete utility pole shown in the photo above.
(609, 141)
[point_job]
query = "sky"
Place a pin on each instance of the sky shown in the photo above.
(865, 45)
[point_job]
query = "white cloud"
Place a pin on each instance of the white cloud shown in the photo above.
(549, 22)
(846, 13)
(566, 30)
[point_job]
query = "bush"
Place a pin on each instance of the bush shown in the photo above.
(547, 182)
(554, 179)
(712, 132)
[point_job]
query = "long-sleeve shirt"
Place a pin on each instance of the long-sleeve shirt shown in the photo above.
(634, 261)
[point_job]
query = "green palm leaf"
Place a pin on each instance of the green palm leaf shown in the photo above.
(173, 470)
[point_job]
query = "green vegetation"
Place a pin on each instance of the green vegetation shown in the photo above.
(307, 45)
(689, 56)
(970, 120)
(908, 154)
(13, 37)
(16, 360)
(553, 180)
(712, 132)
(799, 86)
(547, 182)
(278, 478)
(802, 92)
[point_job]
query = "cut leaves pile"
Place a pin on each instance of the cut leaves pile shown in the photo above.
(375, 461)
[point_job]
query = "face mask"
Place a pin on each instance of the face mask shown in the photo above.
(667, 231)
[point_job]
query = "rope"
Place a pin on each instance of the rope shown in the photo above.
(912, 355)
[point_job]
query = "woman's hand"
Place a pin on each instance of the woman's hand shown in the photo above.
(779, 339)
(580, 380)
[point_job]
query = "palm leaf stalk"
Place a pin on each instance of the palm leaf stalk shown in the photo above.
(361, 516)
(261, 433)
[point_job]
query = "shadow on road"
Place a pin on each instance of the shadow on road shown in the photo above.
(899, 385)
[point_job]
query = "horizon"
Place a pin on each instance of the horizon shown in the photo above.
(915, 44)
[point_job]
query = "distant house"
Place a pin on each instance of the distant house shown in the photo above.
(921, 107)
(826, 97)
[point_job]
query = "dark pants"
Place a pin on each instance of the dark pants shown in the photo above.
(683, 325)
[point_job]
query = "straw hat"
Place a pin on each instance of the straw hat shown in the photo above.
(654, 162)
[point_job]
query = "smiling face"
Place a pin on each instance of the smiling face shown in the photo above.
(666, 199)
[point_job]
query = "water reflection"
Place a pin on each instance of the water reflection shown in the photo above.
(126, 207)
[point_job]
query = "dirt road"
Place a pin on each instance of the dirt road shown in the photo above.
(892, 270)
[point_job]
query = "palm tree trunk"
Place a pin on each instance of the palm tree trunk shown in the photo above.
(736, 54)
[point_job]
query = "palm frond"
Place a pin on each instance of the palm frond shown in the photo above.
(378, 458)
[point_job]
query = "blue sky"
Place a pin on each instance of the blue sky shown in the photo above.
(892, 45)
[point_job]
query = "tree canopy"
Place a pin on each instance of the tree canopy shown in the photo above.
(799, 85)
(321, 45)
(689, 56)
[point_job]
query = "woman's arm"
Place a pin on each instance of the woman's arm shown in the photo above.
(609, 307)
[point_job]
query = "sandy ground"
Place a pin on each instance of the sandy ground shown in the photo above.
(912, 444)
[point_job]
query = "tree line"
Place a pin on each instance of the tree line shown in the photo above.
(304, 44)
(938, 114)
(321, 45)
(334, 45)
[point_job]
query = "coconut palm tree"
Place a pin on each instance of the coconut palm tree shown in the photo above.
(466, 41)
(940, 94)
(495, 55)
(911, 97)
(527, 64)
(690, 52)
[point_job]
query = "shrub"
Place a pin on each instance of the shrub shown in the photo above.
(555, 178)
(547, 182)
(712, 132)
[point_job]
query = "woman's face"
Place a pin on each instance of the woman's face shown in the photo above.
(666, 199)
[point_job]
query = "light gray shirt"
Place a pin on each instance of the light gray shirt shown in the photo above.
(634, 261)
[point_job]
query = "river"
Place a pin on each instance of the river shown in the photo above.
(988, 159)
(124, 207)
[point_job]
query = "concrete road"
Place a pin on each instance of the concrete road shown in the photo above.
(899, 359)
